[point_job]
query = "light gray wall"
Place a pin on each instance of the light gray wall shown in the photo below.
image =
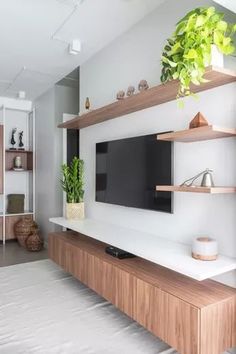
(49, 110)
(135, 56)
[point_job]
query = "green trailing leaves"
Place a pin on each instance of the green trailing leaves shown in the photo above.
(188, 52)
(73, 180)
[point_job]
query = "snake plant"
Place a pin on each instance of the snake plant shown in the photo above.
(73, 180)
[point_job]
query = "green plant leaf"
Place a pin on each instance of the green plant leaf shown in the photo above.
(175, 75)
(191, 47)
(222, 26)
(200, 20)
(192, 54)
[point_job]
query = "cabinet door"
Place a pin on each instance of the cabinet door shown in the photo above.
(112, 283)
(74, 262)
(173, 320)
(56, 250)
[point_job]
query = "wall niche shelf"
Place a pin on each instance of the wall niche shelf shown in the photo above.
(209, 132)
(152, 97)
(26, 159)
(197, 189)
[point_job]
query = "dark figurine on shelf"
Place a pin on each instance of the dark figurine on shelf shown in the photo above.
(21, 145)
(13, 142)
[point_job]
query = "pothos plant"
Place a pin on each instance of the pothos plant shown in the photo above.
(188, 52)
(73, 181)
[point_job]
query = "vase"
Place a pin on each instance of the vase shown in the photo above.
(75, 211)
(217, 58)
(24, 228)
(34, 243)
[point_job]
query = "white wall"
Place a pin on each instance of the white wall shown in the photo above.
(16, 103)
(135, 56)
(49, 110)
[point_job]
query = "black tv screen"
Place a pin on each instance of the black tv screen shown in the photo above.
(128, 170)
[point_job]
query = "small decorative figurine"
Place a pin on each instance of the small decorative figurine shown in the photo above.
(13, 142)
(87, 104)
(207, 179)
(130, 91)
(143, 85)
(198, 121)
(120, 95)
(21, 141)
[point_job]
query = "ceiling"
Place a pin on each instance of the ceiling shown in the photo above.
(34, 37)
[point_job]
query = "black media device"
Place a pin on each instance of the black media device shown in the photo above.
(118, 253)
(128, 170)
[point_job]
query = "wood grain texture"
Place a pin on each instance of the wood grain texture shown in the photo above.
(218, 327)
(152, 97)
(206, 292)
(209, 132)
(197, 189)
(168, 317)
(10, 222)
(193, 317)
(114, 284)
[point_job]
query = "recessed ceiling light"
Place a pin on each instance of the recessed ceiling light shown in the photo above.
(21, 95)
(75, 47)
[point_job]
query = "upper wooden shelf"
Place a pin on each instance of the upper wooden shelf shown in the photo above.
(197, 189)
(152, 97)
(198, 134)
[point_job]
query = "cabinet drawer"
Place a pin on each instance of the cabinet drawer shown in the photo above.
(171, 319)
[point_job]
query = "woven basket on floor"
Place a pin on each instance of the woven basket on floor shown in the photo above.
(34, 243)
(24, 228)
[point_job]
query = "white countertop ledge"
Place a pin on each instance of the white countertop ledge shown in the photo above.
(169, 254)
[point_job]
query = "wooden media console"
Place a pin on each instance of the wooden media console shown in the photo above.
(191, 316)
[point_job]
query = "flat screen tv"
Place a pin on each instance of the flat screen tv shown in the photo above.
(128, 170)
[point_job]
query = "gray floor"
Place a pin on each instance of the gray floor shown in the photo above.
(12, 253)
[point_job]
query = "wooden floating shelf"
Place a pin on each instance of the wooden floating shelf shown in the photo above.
(11, 170)
(209, 132)
(19, 151)
(152, 97)
(197, 189)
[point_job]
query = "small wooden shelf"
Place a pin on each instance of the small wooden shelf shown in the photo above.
(152, 97)
(197, 189)
(19, 151)
(11, 170)
(19, 214)
(26, 160)
(198, 134)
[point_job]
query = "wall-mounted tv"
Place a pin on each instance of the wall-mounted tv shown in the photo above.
(128, 170)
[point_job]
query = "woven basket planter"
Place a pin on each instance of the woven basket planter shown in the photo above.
(34, 243)
(24, 228)
(75, 211)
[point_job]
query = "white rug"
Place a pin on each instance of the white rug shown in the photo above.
(46, 311)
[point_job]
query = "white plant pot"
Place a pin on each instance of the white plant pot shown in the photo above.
(217, 58)
(75, 211)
